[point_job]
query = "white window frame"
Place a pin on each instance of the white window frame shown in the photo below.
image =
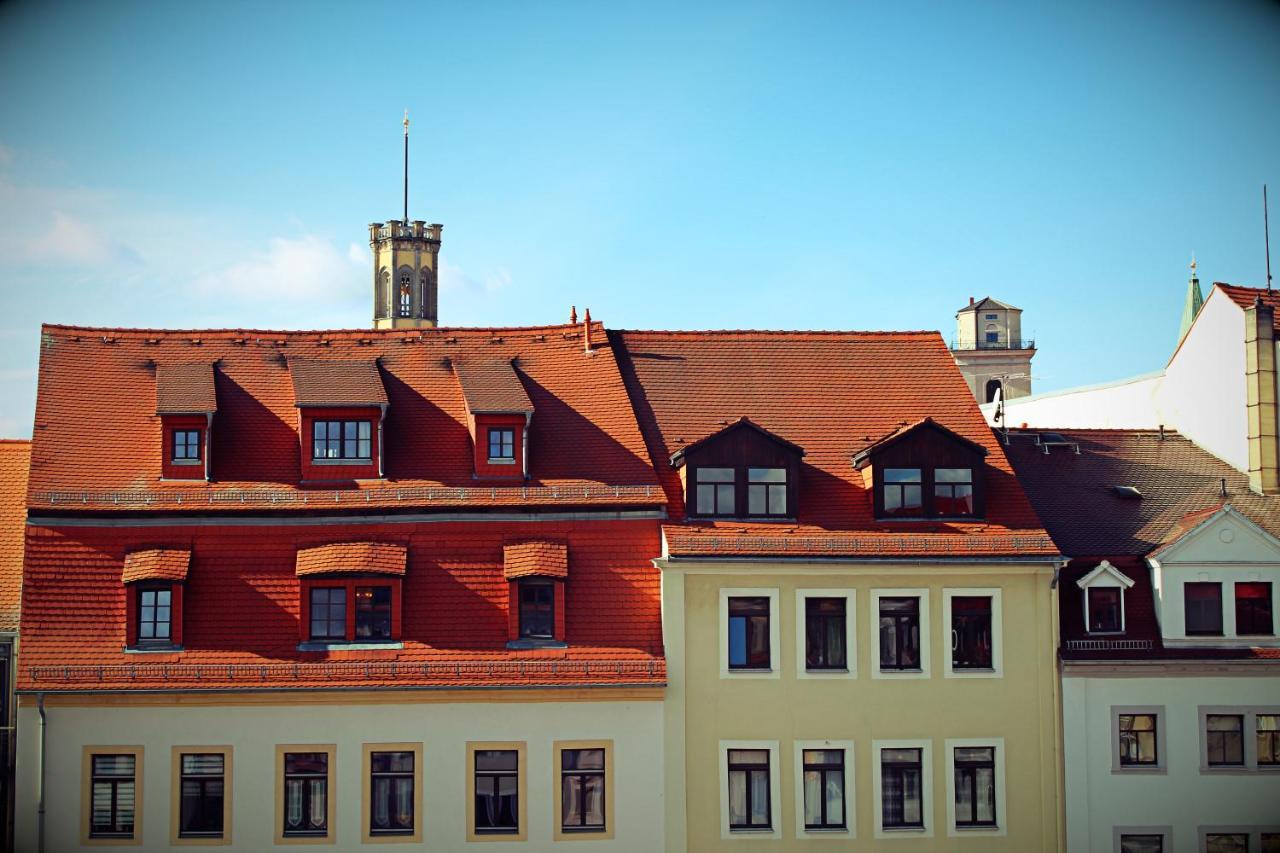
(775, 801)
(1248, 736)
(1109, 577)
(1165, 833)
(997, 633)
(775, 633)
(925, 634)
(1162, 750)
(1001, 816)
(926, 788)
(850, 633)
(850, 795)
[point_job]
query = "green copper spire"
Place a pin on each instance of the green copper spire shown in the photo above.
(1194, 301)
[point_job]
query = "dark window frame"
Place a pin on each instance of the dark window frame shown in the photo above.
(770, 490)
(904, 622)
(532, 615)
(1091, 610)
(1219, 741)
(749, 769)
(820, 628)
(966, 772)
(951, 490)
(824, 769)
(1202, 603)
(154, 588)
(1254, 611)
(204, 781)
(114, 781)
(898, 768)
(749, 609)
(306, 796)
(505, 444)
(493, 776)
(1135, 738)
(717, 489)
(898, 487)
(342, 443)
(584, 776)
(187, 440)
(398, 827)
(370, 613)
(960, 631)
(328, 619)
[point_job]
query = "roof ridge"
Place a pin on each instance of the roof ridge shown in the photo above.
(1126, 430)
(439, 330)
(15, 441)
(780, 332)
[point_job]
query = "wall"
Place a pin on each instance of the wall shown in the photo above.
(443, 727)
(1019, 707)
(1127, 404)
(1182, 797)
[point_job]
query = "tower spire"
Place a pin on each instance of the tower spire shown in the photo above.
(1194, 300)
(406, 167)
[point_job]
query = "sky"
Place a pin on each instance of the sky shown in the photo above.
(713, 165)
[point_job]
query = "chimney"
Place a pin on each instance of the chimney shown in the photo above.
(586, 331)
(970, 300)
(1260, 399)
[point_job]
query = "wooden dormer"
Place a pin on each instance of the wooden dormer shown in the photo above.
(741, 471)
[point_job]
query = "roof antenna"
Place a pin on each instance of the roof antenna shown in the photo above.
(1224, 487)
(406, 167)
(1266, 234)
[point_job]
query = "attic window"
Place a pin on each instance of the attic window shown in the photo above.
(1127, 492)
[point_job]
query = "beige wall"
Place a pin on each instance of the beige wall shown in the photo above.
(1020, 707)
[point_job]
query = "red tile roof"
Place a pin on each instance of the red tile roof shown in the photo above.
(15, 457)
(98, 444)
(156, 564)
(1245, 296)
(538, 558)
(381, 558)
(1181, 486)
(832, 393)
(185, 389)
(336, 382)
(863, 456)
(491, 386)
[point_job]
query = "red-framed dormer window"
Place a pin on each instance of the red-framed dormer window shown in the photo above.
(154, 615)
(350, 610)
(341, 444)
(184, 447)
(499, 445)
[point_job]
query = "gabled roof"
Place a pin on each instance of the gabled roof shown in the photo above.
(185, 389)
(15, 458)
(156, 564)
(377, 558)
(1105, 568)
(1189, 526)
(832, 393)
(1245, 297)
(986, 302)
(863, 456)
(336, 382)
(492, 387)
(97, 437)
(741, 423)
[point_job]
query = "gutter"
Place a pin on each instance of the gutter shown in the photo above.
(1056, 559)
(40, 805)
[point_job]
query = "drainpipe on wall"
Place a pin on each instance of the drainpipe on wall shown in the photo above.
(208, 443)
(524, 446)
(382, 416)
(1260, 398)
(40, 801)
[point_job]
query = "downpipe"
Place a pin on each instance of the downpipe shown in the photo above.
(40, 803)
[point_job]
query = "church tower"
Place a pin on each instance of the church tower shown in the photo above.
(1193, 302)
(990, 351)
(405, 266)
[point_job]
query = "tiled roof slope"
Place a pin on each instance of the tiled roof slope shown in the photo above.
(15, 457)
(1245, 296)
(336, 382)
(185, 389)
(379, 558)
(156, 564)
(832, 393)
(1181, 485)
(538, 558)
(241, 609)
(491, 386)
(98, 446)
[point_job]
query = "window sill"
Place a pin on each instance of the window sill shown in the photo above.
(905, 830)
(342, 461)
(186, 462)
(532, 643)
(500, 461)
(318, 646)
(826, 830)
(1138, 770)
(751, 830)
(151, 650)
(977, 828)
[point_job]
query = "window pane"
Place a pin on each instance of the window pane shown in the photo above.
(1226, 843)
(902, 475)
(582, 759)
(812, 798)
(1271, 842)
(1224, 738)
(1204, 608)
(1253, 609)
(953, 475)
(737, 797)
(757, 500)
(971, 633)
(715, 475)
(756, 757)
(497, 759)
(834, 793)
(1141, 844)
(760, 798)
(202, 765)
(391, 762)
(1104, 609)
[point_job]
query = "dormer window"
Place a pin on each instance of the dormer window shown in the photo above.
(953, 491)
(342, 440)
(716, 492)
(767, 491)
(499, 417)
(350, 593)
(924, 470)
(741, 471)
(1204, 609)
(537, 609)
(186, 446)
(154, 580)
(1103, 590)
(186, 402)
(502, 445)
(536, 572)
(1253, 609)
(342, 407)
(903, 492)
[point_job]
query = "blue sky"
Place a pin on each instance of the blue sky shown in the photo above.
(715, 165)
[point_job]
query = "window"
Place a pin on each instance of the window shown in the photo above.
(1253, 609)
(1224, 740)
(1270, 842)
(202, 811)
(1141, 843)
(497, 798)
(990, 316)
(749, 805)
(391, 794)
(328, 613)
(903, 492)
(406, 290)
(1102, 609)
(306, 794)
(715, 491)
(373, 613)
(823, 788)
(900, 633)
(1226, 842)
(155, 615)
(971, 632)
(1268, 737)
(749, 633)
(582, 783)
(825, 634)
(766, 491)
(113, 795)
(502, 445)
(902, 798)
(1138, 745)
(537, 609)
(953, 491)
(1204, 609)
(186, 445)
(975, 786)
(342, 440)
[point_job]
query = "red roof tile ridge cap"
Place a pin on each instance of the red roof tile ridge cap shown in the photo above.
(294, 333)
(824, 333)
(1168, 433)
(15, 441)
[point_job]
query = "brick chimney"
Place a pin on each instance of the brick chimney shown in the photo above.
(1260, 399)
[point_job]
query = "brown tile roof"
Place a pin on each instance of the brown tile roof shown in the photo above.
(832, 393)
(15, 458)
(185, 389)
(380, 558)
(156, 564)
(538, 558)
(864, 455)
(492, 386)
(336, 382)
(98, 443)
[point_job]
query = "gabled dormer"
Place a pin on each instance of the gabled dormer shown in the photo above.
(741, 471)
(1103, 590)
(1216, 576)
(186, 402)
(499, 413)
(342, 405)
(924, 470)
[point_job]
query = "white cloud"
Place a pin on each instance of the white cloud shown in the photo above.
(68, 240)
(360, 254)
(454, 279)
(302, 271)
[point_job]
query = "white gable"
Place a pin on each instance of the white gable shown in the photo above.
(1105, 575)
(1224, 537)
